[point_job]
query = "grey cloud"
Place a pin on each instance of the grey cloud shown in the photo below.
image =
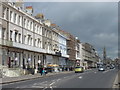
(88, 21)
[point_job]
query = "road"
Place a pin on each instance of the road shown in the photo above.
(88, 79)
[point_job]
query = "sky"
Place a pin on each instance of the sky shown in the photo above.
(92, 22)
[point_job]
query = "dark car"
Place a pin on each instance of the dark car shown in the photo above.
(112, 67)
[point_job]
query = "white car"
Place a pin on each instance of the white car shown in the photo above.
(101, 68)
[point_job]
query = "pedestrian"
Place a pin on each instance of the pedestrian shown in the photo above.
(41, 71)
(46, 71)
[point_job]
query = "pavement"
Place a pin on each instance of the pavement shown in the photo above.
(116, 83)
(27, 77)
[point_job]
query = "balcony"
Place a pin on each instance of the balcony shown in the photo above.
(27, 47)
(78, 58)
(6, 42)
(50, 52)
(66, 56)
(58, 53)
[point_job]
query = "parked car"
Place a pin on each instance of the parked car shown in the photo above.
(78, 69)
(112, 67)
(101, 68)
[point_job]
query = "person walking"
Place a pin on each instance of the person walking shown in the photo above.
(41, 71)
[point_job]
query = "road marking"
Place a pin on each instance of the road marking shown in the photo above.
(80, 77)
(52, 83)
(51, 87)
(44, 88)
(37, 86)
(67, 76)
(95, 72)
(40, 83)
(58, 80)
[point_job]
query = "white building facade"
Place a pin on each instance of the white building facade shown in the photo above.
(24, 41)
(63, 50)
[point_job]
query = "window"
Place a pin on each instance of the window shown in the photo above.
(45, 45)
(3, 32)
(11, 35)
(50, 47)
(19, 38)
(31, 42)
(35, 28)
(40, 44)
(4, 12)
(38, 29)
(35, 42)
(24, 39)
(28, 24)
(31, 26)
(15, 36)
(15, 18)
(47, 33)
(24, 23)
(11, 16)
(19, 20)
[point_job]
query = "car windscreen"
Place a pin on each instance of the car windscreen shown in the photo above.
(78, 67)
(101, 67)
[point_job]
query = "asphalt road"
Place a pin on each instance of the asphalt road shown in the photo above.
(88, 79)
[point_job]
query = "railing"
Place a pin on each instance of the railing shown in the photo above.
(6, 42)
(67, 56)
(27, 47)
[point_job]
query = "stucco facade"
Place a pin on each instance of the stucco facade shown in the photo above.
(25, 41)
